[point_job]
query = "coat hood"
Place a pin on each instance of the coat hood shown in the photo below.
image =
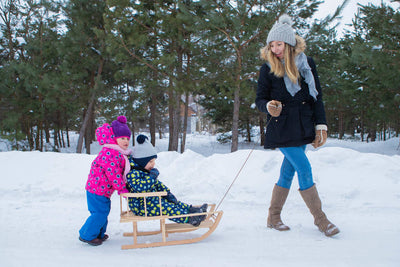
(105, 134)
(300, 45)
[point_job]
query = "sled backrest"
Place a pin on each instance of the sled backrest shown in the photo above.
(126, 210)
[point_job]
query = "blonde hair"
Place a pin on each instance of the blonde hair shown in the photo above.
(277, 67)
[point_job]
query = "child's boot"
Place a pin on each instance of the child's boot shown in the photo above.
(196, 220)
(203, 208)
(104, 238)
(93, 242)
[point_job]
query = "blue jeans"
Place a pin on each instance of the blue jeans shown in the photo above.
(96, 225)
(295, 160)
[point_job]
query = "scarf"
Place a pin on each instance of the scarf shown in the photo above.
(306, 73)
(125, 153)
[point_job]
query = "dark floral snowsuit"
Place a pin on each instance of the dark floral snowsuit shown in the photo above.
(141, 181)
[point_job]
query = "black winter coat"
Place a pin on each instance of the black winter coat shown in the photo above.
(300, 113)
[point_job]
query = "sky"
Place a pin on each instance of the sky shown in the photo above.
(350, 10)
(348, 14)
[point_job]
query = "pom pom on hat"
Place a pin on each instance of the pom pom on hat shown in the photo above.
(122, 119)
(141, 138)
(143, 151)
(120, 128)
(282, 31)
(286, 19)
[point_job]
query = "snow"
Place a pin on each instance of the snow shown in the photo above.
(43, 205)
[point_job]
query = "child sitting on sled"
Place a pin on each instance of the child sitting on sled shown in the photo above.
(143, 177)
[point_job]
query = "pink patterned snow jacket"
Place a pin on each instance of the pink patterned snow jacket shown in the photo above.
(109, 168)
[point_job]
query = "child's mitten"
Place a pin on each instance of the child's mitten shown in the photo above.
(154, 173)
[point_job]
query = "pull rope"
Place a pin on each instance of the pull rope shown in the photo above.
(234, 180)
(241, 168)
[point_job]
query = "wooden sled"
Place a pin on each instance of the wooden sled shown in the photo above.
(211, 222)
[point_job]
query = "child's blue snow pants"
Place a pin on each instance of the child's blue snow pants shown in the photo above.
(96, 225)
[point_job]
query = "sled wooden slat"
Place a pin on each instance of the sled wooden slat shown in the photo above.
(211, 222)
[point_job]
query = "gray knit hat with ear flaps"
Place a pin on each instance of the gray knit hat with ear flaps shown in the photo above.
(282, 31)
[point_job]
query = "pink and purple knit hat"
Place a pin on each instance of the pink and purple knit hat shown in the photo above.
(120, 128)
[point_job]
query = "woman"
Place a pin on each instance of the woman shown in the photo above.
(290, 93)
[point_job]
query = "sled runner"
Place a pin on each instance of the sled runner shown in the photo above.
(211, 222)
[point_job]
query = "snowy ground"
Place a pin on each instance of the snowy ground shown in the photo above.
(43, 205)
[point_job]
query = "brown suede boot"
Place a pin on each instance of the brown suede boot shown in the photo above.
(313, 202)
(279, 195)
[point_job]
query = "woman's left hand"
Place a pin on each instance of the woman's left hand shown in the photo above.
(320, 138)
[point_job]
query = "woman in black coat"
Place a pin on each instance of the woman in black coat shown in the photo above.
(290, 93)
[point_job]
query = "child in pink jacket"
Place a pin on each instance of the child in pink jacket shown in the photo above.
(107, 174)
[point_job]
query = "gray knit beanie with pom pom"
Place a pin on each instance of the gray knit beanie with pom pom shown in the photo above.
(143, 151)
(282, 31)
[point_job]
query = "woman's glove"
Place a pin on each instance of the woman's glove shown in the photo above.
(321, 135)
(274, 108)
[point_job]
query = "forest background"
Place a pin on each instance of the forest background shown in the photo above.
(72, 65)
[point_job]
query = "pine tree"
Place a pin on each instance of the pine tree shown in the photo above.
(234, 33)
(86, 61)
(29, 68)
(158, 37)
(372, 70)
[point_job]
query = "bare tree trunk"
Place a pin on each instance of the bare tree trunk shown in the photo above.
(171, 114)
(88, 132)
(47, 133)
(248, 130)
(152, 122)
(37, 138)
(362, 126)
(185, 122)
(173, 111)
(130, 114)
(85, 123)
(90, 108)
(160, 134)
(41, 140)
(55, 140)
(27, 130)
(235, 119)
(177, 124)
(67, 131)
(341, 124)
(384, 131)
(62, 138)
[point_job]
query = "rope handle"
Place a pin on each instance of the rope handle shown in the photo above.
(241, 168)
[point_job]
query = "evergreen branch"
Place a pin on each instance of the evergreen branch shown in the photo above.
(229, 39)
(150, 29)
(251, 75)
(255, 36)
(142, 60)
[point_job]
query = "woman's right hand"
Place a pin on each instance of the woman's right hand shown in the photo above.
(274, 108)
